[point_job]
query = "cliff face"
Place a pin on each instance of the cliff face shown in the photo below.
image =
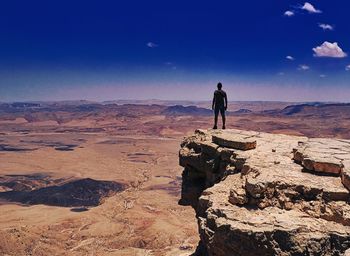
(266, 194)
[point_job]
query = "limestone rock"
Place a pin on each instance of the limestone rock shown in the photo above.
(346, 175)
(236, 141)
(347, 253)
(317, 155)
(267, 194)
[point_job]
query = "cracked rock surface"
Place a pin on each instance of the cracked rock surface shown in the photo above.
(267, 194)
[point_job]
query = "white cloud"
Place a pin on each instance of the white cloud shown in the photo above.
(310, 8)
(281, 74)
(152, 45)
(347, 68)
(328, 49)
(290, 57)
(303, 67)
(289, 13)
(323, 76)
(326, 26)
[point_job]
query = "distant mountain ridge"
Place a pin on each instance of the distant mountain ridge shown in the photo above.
(19, 109)
(316, 109)
(190, 110)
(243, 111)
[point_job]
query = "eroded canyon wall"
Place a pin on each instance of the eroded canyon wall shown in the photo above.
(267, 194)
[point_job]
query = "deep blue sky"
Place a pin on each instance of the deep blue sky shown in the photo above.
(100, 50)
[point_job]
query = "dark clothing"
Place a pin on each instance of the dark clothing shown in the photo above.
(219, 99)
(219, 105)
(219, 109)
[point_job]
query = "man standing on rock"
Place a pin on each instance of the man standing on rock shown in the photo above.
(219, 105)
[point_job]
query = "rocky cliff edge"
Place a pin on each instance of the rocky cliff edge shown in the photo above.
(266, 194)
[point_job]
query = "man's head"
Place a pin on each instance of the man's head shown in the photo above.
(219, 86)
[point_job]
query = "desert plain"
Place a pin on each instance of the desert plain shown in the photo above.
(82, 178)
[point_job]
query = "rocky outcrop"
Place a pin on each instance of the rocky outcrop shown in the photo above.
(267, 194)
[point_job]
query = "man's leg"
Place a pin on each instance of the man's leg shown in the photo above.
(216, 115)
(223, 118)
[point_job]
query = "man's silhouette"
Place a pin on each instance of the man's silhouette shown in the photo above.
(219, 105)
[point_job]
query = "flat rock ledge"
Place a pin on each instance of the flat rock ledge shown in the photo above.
(267, 194)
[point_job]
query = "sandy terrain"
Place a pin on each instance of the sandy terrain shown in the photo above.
(145, 217)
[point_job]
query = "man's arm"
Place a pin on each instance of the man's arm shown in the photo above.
(225, 101)
(212, 106)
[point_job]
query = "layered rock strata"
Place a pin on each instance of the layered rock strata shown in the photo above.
(267, 194)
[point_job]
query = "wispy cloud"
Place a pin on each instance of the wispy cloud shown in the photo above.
(325, 26)
(303, 67)
(289, 13)
(170, 65)
(347, 68)
(290, 57)
(323, 76)
(152, 45)
(310, 8)
(331, 50)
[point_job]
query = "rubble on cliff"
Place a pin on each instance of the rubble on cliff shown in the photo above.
(267, 194)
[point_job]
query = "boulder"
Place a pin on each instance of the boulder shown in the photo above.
(236, 141)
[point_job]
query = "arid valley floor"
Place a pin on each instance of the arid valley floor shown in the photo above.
(80, 178)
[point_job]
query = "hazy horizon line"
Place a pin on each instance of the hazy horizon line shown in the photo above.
(160, 100)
